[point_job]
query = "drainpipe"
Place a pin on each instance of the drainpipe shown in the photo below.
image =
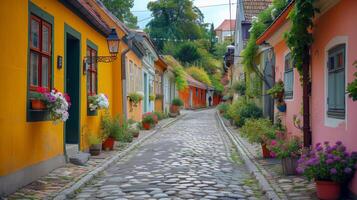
(123, 76)
(306, 98)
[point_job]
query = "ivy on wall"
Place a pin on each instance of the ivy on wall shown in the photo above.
(299, 38)
(180, 74)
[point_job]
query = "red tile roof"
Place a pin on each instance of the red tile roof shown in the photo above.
(227, 25)
(193, 82)
(254, 7)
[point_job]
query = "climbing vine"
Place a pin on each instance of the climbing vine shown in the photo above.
(352, 87)
(178, 70)
(299, 38)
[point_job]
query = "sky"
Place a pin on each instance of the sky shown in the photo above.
(213, 14)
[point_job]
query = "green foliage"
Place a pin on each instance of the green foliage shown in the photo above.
(180, 74)
(148, 118)
(220, 49)
(175, 20)
(177, 102)
(254, 86)
(135, 98)
(93, 139)
(258, 130)
(188, 53)
(216, 82)
(223, 107)
(160, 115)
(286, 147)
(199, 74)
(239, 87)
(299, 38)
(121, 9)
(277, 89)
(116, 127)
(152, 97)
(259, 25)
(352, 87)
(243, 109)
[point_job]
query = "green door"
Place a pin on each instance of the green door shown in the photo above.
(72, 84)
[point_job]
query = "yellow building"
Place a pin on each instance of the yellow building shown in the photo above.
(160, 68)
(45, 44)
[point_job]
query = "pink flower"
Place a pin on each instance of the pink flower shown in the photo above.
(273, 143)
(272, 154)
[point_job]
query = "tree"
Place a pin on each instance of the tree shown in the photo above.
(199, 74)
(175, 19)
(121, 9)
(188, 53)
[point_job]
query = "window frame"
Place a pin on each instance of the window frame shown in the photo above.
(36, 115)
(288, 70)
(92, 70)
(334, 52)
(40, 53)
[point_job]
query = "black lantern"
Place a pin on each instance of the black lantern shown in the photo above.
(113, 43)
(113, 46)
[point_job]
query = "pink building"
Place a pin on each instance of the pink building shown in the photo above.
(333, 114)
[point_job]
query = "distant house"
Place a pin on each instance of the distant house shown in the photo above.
(226, 30)
(194, 96)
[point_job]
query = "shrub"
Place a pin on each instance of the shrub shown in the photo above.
(177, 102)
(199, 74)
(243, 109)
(286, 148)
(160, 115)
(239, 87)
(258, 130)
(223, 107)
(117, 128)
(148, 118)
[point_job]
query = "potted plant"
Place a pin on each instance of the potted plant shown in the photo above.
(152, 97)
(277, 91)
(281, 105)
(37, 99)
(259, 131)
(288, 150)
(109, 131)
(175, 105)
(147, 121)
(58, 104)
(99, 101)
(95, 145)
(135, 98)
(330, 167)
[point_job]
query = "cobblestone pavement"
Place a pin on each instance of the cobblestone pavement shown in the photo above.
(188, 160)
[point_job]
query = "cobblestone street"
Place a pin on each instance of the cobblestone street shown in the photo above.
(191, 159)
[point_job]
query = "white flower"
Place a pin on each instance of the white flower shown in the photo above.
(140, 93)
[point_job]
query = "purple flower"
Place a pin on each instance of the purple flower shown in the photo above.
(299, 170)
(318, 144)
(344, 161)
(326, 143)
(330, 156)
(337, 158)
(356, 166)
(329, 161)
(347, 170)
(333, 171)
(301, 160)
(341, 148)
(338, 142)
(319, 148)
(346, 154)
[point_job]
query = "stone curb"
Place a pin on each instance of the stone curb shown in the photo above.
(251, 165)
(64, 194)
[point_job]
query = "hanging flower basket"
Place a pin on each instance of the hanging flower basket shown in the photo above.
(99, 101)
(281, 106)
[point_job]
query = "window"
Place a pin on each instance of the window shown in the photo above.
(336, 82)
(196, 92)
(40, 53)
(131, 77)
(92, 72)
(288, 77)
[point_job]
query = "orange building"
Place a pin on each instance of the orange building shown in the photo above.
(160, 68)
(194, 96)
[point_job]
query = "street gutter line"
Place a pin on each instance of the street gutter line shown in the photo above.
(66, 193)
(249, 162)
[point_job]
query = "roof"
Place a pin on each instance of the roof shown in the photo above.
(227, 25)
(193, 82)
(87, 13)
(277, 23)
(254, 7)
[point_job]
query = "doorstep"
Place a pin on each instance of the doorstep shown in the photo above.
(280, 186)
(64, 181)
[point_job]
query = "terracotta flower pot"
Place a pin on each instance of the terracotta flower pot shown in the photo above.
(328, 190)
(95, 149)
(289, 166)
(174, 109)
(265, 151)
(108, 144)
(146, 126)
(37, 104)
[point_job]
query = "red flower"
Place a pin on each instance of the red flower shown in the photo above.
(68, 99)
(41, 90)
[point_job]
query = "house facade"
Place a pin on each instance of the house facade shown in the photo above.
(160, 68)
(194, 96)
(332, 57)
(48, 46)
(225, 31)
(170, 91)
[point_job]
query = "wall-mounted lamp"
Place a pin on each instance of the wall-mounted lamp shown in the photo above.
(113, 46)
